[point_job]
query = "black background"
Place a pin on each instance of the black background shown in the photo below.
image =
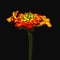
(14, 42)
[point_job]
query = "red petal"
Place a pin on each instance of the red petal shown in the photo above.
(29, 27)
(24, 24)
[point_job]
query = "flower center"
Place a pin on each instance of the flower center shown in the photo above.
(28, 16)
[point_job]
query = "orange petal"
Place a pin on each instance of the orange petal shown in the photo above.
(48, 24)
(9, 19)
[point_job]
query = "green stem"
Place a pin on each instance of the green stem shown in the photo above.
(30, 44)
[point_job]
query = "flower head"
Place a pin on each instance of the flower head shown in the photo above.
(28, 20)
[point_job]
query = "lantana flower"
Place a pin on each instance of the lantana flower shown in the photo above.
(28, 20)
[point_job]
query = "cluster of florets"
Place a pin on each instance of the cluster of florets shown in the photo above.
(28, 20)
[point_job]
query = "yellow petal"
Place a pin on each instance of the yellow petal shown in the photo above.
(47, 20)
(42, 23)
(9, 19)
(48, 24)
(43, 17)
(14, 14)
